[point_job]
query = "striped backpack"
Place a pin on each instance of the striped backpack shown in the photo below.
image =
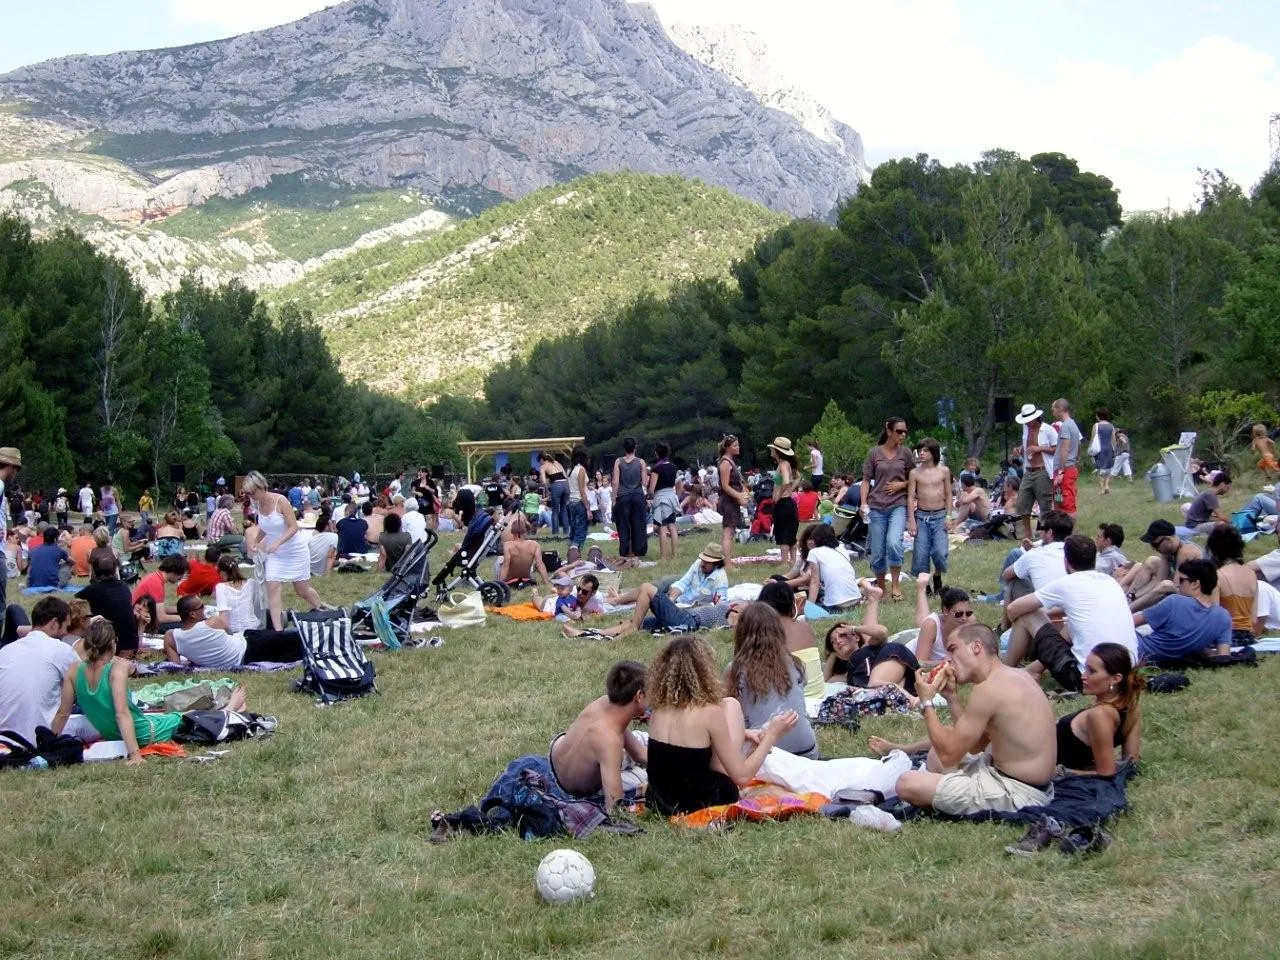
(334, 665)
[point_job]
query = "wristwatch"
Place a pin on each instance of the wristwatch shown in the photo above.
(922, 705)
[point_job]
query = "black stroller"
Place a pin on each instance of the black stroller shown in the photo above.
(463, 569)
(851, 530)
(394, 604)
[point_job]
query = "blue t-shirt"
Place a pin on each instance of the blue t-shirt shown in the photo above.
(351, 536)
(295, 497)
(1183, 626)
(43, 563)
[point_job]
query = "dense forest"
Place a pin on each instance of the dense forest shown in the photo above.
(936, 289)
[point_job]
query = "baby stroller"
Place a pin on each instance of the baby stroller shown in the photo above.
(851, 530)
(388, 613)
(463, 568)
(762, 525)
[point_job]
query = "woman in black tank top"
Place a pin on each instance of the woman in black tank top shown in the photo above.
(1087, 739)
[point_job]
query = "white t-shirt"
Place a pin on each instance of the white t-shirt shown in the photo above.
(394, 487)
(1267, 605)
(237, 606)
(415, 525)
(815, 457)
(86, 500)
(206, 646)
(1041, 565)
(31, 673)
(604, 495)
(1048, 437)
(839, 582)
(1097, 612)
(319, 546)
(593, 499)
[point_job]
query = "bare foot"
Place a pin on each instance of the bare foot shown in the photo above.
(237, 701)
(569, 631)
(881, 747)
(870, 589)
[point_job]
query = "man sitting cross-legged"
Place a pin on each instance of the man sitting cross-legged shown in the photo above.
(704, 586)
(206, 643)
(585, 763)
(1002, 750)
(1096, 612)
(1151, 581)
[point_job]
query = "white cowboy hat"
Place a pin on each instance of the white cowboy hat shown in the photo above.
(1029, 412)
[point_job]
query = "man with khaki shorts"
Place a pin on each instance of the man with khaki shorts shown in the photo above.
(1001, 753)
(1039, 443)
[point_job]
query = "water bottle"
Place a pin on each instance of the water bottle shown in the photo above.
(37, 763)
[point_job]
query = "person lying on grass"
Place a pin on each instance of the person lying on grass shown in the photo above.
(859, 654)
(585, 762)
(704, 584)
(1001, 752)
(206, 643)
(586, 598)
(767, 679)
(697, 735)
(100, 687)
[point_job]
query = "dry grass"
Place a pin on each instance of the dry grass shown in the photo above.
(313, 843)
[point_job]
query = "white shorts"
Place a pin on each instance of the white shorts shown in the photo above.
(978, 786)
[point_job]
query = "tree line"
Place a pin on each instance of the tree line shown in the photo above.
(937, 289)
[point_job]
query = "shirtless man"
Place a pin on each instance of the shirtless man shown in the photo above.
(1039, 444)
(928, 500)
(1149, 582)
(972, 503)
(587, 758)
(521, 558)
(1001, 753)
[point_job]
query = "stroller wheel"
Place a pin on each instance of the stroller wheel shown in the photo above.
(494, 593)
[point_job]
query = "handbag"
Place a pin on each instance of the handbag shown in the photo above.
(1095, 445)
(462, 610)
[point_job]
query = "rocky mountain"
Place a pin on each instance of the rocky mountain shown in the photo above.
(467, 102)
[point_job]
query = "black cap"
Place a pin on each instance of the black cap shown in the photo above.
(1158, 529)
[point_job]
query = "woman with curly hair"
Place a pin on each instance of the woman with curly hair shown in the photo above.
(767, 679)
(696, 734)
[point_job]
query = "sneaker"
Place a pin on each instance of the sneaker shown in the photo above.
(1083, 841)
(873, 818)
(1038, 836)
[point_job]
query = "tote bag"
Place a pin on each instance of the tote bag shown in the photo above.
(462, 610)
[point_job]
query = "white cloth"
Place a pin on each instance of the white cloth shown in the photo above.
(238, 605)
(85, 500)
(835, 778)
(1267, 605)
(290, 563)
(1048, 437)
(1097, 612)
(744, 592)
(604, 495)
(31, 673)
(318, 546)
(1041, 565)
(206, 646)
(839, 582)
(415, 525)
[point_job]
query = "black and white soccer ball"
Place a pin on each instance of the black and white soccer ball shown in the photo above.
(564, 876)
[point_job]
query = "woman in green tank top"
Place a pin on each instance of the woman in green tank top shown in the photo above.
(100, 687)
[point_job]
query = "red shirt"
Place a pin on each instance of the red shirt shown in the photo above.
(152, 585)
(200, 580)
(806, 504)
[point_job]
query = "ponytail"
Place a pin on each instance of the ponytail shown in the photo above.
(1117, 662)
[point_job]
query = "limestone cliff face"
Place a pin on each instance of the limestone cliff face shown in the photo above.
(470, 101)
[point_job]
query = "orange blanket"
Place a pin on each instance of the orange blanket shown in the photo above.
(166, 749)
(760, 801)
(521, 611)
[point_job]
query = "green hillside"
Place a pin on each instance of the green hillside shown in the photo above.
(428, 315)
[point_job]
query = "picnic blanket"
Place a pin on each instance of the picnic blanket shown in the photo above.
(154, 694)
(521, 611)
(163, 667)
(757, 803)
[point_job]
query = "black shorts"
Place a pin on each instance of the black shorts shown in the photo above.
(272, 646)
(867, 659)
(1051, 648)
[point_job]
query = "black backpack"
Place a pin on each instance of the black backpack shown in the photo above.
(551, 560)
(334, 665)
(54, 750)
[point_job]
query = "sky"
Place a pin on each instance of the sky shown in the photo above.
(1143, 92)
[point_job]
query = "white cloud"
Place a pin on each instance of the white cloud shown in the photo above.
(240, 16)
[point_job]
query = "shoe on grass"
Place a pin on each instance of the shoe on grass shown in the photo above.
(1038, 836)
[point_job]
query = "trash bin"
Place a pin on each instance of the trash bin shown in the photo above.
(1161, 483)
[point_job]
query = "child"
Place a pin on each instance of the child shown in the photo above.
(928, 500)
(564, 605)
(1265, 448)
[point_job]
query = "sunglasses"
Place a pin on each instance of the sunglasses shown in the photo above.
(961, 614)
(900, 432)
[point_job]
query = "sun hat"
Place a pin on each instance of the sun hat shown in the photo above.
(712, 553)
(1029, 412)
(783, 446)
(11, 457)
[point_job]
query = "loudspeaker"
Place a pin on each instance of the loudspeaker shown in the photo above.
(1004, 410)
(177, 473)
(437, 471)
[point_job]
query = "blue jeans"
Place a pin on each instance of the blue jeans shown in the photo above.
(559, 506)
(664, 614)
(577, 523)
(931, 542)
(885, 537)
(1261, 505)
(113, 521)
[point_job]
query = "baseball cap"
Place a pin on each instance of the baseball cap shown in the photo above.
(1158, 529)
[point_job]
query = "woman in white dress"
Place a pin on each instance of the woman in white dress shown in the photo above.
(276, 538)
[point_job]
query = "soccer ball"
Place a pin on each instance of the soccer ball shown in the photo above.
(564, 876)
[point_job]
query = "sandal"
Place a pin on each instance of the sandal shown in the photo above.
(897, 596)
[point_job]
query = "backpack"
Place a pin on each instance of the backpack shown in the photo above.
(221, 726)
(551, 560)
(334, 665)
(48, 750)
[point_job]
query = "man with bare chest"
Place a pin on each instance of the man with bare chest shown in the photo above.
(928, 500)
(587, 759)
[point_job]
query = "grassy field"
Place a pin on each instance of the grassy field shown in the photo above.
(313, 843)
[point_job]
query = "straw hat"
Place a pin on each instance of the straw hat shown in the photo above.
(783, 446)
(11, 457)
(712, 553)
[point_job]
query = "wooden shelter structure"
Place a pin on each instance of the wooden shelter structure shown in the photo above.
(474, 450)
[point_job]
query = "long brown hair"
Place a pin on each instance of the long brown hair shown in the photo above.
(761, 662)
(1116, 661)
(684, 674)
